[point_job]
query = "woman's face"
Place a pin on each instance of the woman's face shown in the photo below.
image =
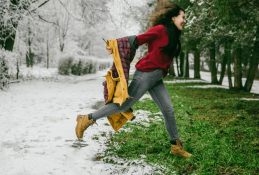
(179, 20)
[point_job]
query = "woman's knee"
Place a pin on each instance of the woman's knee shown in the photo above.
(123, 109)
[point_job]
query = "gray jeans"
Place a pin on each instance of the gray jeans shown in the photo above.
(141, 83)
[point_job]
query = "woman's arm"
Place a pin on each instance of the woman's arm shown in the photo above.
(135, 41)
(150, 35)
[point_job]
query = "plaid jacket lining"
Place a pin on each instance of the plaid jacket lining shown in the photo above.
(126, 55)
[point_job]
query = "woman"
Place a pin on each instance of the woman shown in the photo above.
(162, 39)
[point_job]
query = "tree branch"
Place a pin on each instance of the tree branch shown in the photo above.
(39, 5)
(131, 9)
(48, 21)
(35, 1)
(70, 13)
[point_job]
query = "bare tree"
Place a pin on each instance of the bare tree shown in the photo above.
(12, 11)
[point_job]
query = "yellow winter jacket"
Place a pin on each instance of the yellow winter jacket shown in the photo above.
(117, 89)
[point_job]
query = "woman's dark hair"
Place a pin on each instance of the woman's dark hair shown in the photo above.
(165, 10)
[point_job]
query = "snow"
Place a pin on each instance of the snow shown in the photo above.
(200, 3)
(38, 119)
(206, 76)
(37, 72)
(208, 86)
(145, 96)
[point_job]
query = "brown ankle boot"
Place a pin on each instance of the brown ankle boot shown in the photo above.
(83, 123)
(178, 150)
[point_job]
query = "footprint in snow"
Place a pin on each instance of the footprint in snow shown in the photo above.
(77, 143)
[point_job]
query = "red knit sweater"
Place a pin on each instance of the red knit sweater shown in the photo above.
(155, 37)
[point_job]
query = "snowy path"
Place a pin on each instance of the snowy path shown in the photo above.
(38, 120)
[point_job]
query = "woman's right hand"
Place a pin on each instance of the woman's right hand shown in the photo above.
(109, 50)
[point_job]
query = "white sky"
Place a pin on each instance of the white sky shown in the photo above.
(119, 6)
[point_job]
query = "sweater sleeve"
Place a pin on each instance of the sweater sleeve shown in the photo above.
(150, 35)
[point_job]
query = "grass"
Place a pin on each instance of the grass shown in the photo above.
(217, 126)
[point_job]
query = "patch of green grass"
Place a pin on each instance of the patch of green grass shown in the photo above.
(187, 84)
(171, 78)
(218, 128)
(103, 134)
(130, 77)
(95, 137)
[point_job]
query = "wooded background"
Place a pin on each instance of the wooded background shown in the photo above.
(222, 35)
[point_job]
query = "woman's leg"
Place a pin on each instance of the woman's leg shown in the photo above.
(161, 97)
(141, 82)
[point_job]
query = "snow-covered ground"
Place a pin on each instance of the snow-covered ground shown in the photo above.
(38, 120)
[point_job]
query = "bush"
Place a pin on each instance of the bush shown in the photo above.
(81, 66)
(77, 68)
(90, 65)
(4, 74)
(104, 65)
(7, 65)
(65, 65)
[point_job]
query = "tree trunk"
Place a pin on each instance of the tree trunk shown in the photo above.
(61, 47)
(29, 44)
(223, 66)
(181, 63)
(19, 59)
(47, 49)
(197, 64)
(214, 79)
(27, 59)
(228, 55)
(238, 68)
(253, 64)
(176, 59)
(186, 71)
(17, 69)
(171, 69)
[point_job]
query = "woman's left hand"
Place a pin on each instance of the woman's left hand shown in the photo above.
(109, 50)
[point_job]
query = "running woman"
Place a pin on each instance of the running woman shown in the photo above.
(163, 40)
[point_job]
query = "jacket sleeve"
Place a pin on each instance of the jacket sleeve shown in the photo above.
(150, 35)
